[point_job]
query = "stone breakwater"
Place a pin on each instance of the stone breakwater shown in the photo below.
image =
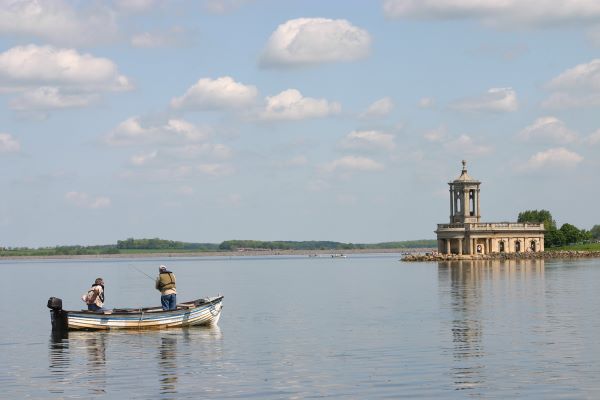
(545, 255)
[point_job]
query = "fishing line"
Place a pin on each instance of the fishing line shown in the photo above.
(140, 271)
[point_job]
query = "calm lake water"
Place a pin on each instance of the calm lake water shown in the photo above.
(363, 327)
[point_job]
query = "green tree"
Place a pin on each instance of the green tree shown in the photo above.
(571, 233)
(554, 238)
(595, 232)
(539, 216)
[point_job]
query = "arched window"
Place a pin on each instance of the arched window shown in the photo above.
(471, 202)
(501, 246)
(517, 246)
(532, 246)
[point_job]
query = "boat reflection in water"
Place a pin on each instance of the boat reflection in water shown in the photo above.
(469, 293)
(80, 360)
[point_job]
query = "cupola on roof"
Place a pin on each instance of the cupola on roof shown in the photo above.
(464, 176)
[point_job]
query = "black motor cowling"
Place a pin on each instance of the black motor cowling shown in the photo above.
(54, 303)
(58, 317)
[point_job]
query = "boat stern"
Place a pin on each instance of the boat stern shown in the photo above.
(58, 316)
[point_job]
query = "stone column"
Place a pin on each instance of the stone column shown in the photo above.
(451, 203)
(460, 246)
(471, 246)
(447, 246)
(478, 209)
(466, 205)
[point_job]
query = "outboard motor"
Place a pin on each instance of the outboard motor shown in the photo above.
(58, 316)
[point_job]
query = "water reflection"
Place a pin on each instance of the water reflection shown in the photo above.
(59, 360)
(79, 361)
(167, 363)
(465, 286)
(95, 346)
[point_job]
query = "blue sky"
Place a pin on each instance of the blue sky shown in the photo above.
(291, 120)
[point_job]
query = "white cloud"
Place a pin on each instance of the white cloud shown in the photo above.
(223, 6)
(57, 21)
(553, 158)
(306, 41)
(436, 135)
(576, 87)
(581, 76)
(464, 144)
(594, 138)
(185, 190)
(427, 102)
(549, 129)
(134, 132)
(173, 37)
(135, 6)
(352, 163)
(233, 200)
(317, 185)
(216, 169)
(47, 98)
(34, 66)
(217, 151)
(84, 200)
(214, 94)
(495, 100)
(143, 158)
(498, 12)
(8, 144)
(367, 140)
(564, 100)
(379, 108)
(50, 78)
(291, 105)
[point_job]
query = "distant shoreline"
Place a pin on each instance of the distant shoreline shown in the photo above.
(221, 254)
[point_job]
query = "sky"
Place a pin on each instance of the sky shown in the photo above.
(343, 120)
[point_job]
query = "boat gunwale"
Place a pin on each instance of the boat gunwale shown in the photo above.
(148, 310)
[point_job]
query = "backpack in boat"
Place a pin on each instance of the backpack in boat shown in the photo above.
(89, 297)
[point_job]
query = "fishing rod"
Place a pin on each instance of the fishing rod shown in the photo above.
(140, 271)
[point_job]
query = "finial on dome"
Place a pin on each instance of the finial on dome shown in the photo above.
(464, 163)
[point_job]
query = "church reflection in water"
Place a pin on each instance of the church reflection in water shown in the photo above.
(463, 287)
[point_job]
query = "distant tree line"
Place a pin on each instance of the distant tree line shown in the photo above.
(157, 245)
(555, 237)
(59, 251)
(161, 244)
(230, 245)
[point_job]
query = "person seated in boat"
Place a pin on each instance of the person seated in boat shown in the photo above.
(166, 284)
(94, 298)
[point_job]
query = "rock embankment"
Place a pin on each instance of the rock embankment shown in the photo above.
(501, 256)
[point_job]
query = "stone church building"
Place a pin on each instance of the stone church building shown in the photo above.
(467, 235)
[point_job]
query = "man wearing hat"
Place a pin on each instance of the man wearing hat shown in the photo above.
(166, 284)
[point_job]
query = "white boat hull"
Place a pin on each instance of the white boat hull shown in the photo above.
(188, 314)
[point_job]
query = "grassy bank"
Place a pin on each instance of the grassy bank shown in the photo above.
(577, 247)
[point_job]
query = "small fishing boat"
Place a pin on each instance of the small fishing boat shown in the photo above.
(206, 311)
